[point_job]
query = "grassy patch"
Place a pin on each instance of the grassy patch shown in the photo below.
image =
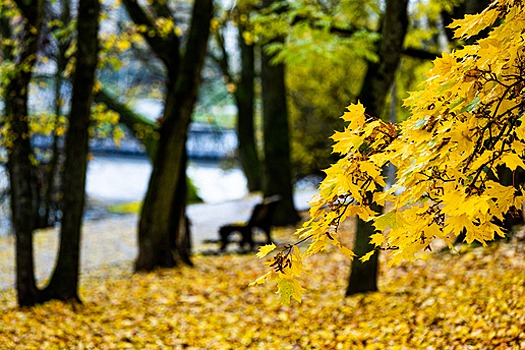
(125, 208)
(135, 207)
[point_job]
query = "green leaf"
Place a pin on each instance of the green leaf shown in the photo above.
(472, 105)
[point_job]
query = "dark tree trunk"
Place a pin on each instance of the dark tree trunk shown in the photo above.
(64, 282)
(21, 182)
(180, 227)
(245, 99)
(377, 84)
(155, 237)
(277, 164)
(277, 178)
(363, 276)
(53, 174)
(19, 165)
(380, 75)
(161, 215)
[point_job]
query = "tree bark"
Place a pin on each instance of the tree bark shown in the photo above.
(277, 178)
(21, 186)
(377, 84)
(53, 178)
(244, 96)
(245, 99)
(180, 226)
(19, 165)
(64, 282)
(363, 276)
(161, 217)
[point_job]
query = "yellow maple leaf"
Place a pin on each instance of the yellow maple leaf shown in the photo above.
(370, 169)
(512, 161)
(355, 115)
(471, 25)
(265, 249)
(377, 239)
(367, 256)
(520, 131)
(346, 142)
(289, 288)
(347, 252)
(261, 280)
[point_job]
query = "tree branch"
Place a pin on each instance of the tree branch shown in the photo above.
(420, 53)
(197, 43)
(348, 31)
(130, 119)
(223, 60)
(167, 49)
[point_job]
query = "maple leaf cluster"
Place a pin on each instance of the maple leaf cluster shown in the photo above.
(465, 132)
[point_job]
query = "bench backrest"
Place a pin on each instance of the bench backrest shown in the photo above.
(262, 214)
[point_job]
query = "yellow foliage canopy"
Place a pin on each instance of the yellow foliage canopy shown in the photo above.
(466, 125)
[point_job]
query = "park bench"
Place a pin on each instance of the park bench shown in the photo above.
(261, 218)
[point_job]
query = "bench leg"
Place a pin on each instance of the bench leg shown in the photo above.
(247, 238)
(268, 235)
(225, 232)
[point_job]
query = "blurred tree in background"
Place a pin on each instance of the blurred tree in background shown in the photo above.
(27, 20)
(163, 229)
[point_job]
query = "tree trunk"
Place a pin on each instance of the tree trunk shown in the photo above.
(277, 179)
(180, 227)
(155, 236)
(363, 276)
(380, 75)
(245, 99)
(160, 218)
(19, 165)
(53, 179)
(21, 182)
(64, 282)
(377, 84)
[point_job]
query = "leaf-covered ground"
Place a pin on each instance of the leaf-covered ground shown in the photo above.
(474, 300)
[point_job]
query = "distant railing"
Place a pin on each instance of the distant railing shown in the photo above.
(204, 142)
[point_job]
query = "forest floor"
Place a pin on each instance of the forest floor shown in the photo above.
(445, 300)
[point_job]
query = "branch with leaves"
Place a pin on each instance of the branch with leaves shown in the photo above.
(466, 123)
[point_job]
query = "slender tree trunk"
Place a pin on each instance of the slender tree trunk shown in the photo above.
(21, 181)
(277, 163)
(19, 165)
(245, 99)
(180, 226)
(160, 218)
(64, 282)
(377, 83)
(54, 173)
(154, 236)
(277, 179)
(363, 276)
